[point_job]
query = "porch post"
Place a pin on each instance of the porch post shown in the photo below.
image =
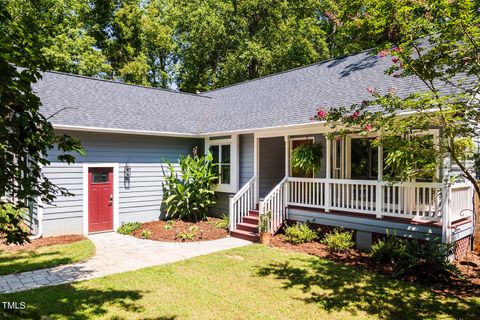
(256, 162)
(287, 156)
(378, 188)
(328, 174)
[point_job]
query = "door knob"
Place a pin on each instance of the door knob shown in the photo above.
(110, 201)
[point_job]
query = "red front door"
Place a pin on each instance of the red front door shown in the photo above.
(100, 199)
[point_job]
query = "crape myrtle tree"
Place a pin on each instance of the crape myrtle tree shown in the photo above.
(440, 47)
(26, 135)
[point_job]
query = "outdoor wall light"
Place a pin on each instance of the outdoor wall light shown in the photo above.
(126, 170)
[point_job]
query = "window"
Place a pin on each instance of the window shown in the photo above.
(100, 176)
(364, 159)
(221, 156)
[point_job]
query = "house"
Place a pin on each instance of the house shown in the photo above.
(128, 131)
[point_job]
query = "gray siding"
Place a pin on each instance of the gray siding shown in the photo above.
(139, 200)
(246, 158)
(221, 206)
(364, 224)
(272, 164)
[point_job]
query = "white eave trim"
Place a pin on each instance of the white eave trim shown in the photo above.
(125, 131)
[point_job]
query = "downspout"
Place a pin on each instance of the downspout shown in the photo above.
(39, 233)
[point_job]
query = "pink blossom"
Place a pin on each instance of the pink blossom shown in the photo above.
(368, 127)
(383, 53)
(395, 59)
(356, 114)
(396, 49)
(322, 114)
(371, 90)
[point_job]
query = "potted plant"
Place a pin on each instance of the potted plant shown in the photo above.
(306, 159)
(264, 225)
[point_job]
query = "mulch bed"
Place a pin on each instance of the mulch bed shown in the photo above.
(467, 287)
(42, 242)
(207, 230)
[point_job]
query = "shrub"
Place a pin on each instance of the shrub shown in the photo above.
(387, 250)
(169, 225)
(146, 233)
(421, 259)
(183, 235)
(223, 223)
(12, 229)
(129, 228)
(300, 233)
(264, 221)
(189, 195)
(338, 240)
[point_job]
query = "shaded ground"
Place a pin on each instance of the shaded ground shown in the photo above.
(172, 230)
(45, 253)
(470, 268)
(42, 242)
(252, 282)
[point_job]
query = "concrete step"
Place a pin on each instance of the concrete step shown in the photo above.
(245, 235)
(247, 227)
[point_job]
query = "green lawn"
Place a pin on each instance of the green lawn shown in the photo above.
(45, 257)
(253, 282)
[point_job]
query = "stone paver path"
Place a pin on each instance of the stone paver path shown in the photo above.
(115, 253)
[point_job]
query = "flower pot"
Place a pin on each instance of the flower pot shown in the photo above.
(265, 237)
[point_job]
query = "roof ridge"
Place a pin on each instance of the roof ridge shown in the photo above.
(286, 71)
(126, 84)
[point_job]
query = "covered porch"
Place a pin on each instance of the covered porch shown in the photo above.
(348, 183)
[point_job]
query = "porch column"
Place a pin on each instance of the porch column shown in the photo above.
(379, 193)
(256, 165)
(328, 173)
(287, 156)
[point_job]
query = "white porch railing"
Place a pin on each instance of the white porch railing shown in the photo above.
(461, 201)
(410, 200)
(241, 203)
(276, 202)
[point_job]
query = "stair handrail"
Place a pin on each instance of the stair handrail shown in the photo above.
(241, 203)
(275, 202)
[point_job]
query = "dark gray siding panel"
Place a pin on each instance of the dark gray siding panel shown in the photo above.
(364, 224)
(221, 206)
(246, 158)
(272, 163)
(139, 198)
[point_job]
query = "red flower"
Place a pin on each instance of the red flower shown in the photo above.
(356, 114)
(395, 59)
(396, 49)
(368, 127)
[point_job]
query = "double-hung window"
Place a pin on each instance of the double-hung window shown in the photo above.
(221, 156)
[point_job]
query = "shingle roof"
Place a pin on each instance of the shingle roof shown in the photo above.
(88, 102)
(291, 97)
(285, 98)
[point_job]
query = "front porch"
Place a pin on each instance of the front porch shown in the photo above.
(348, 190)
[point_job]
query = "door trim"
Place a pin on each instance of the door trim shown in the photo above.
(116, 218)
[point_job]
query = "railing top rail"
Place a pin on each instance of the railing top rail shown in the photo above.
(367, 182)
(244, 189)
(461, 186)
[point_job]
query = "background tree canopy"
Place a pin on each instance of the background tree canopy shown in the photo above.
(197, 45)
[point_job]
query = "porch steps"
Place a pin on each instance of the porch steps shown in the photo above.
(248, 229)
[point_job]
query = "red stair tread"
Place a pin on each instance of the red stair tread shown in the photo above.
(245, 235)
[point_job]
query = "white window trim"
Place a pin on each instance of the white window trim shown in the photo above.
(234, 162)
(291, 150)
(116, 217)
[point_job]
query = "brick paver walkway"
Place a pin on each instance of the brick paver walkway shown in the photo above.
(115, 253)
